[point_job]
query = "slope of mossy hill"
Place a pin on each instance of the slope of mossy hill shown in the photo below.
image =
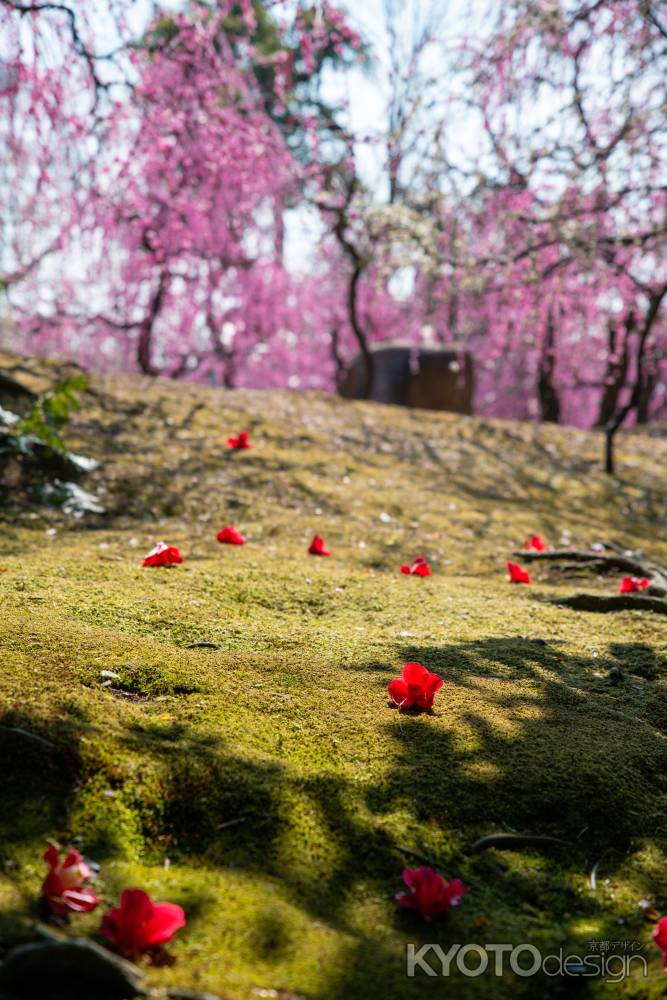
(266, 784)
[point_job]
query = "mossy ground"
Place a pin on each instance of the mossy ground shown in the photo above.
(267, 785)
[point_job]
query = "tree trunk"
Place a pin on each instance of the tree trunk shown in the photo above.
(617, 372)
(366, 353)
(648, 386)
(145, 340)
(358, 267)
(339, 364)
(546, 391)
(655, 301)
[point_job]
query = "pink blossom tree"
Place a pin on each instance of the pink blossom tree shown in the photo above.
(176, 216)
(572, 227)
(143, 222)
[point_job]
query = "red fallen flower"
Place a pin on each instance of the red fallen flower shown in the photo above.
(162, 555)
(316, 547)
(231, 536)
(429, 893)
(535, 542)
(138, 924)
(419, 568)
(631, 584)
(63, 887)
(416, 687)
(240, 442)
(517, 574)
(660, 937)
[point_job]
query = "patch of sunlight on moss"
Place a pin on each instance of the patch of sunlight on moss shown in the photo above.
(304, 848)
(109, 825)
(483, 770)
(588, 928)
(364, 910)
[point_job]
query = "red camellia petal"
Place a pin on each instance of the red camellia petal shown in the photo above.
(517, 574)
(399, 694)
(230, 536)
(52, 856)
(63, 887)
(535, 542)
(81, 900)
(417, 687)
(240, 442)
(72, 858)
(414, 673)
(138, 924)
(660, 938)
(631, 584)
(163, 555)
(430, 688)
(165, 920)
(316, 547)
(74, 869)
(429, 892)
(418, 568)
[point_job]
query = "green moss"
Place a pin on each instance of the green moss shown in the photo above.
(270, 773)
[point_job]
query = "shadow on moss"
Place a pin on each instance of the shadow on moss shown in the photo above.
(553, 754)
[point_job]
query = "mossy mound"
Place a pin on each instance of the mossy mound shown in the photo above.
(266, 784)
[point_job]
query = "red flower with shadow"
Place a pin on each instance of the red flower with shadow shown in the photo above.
(536, 543)
(517, 574)
(63, 888)
(163, 555)
(418, 568)
(316, 547)
(660, 937)
(138, 924)
(429, 892)
(241, 442)
(632, 584)
(416, 687)
(231, 536)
